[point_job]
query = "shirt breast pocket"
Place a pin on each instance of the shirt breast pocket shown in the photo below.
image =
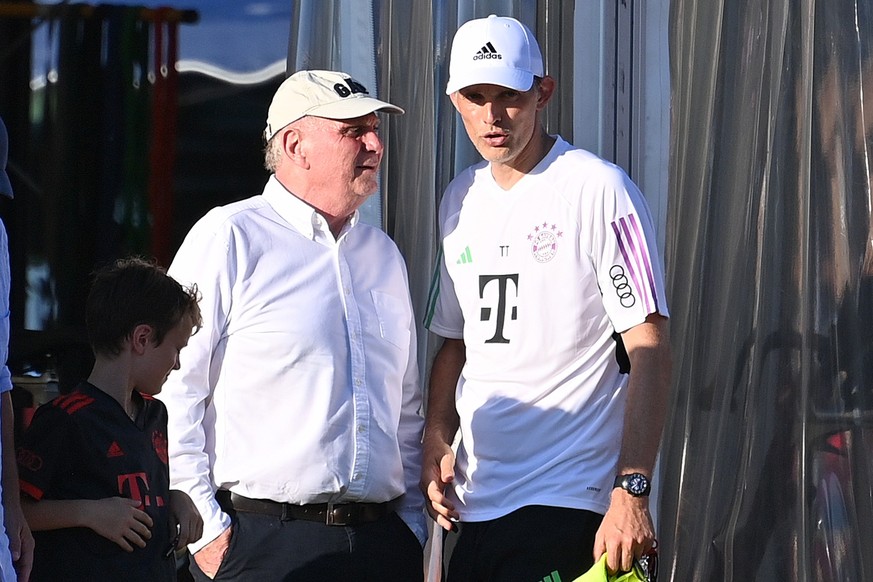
(393, 315)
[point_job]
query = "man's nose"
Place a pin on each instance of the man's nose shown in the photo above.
(492, 112)
(372, 142)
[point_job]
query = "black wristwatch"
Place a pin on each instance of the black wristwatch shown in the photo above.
(636, 484)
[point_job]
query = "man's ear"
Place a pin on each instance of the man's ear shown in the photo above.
(454, 98)
(141, 337)
(545, 91)
(292, 146)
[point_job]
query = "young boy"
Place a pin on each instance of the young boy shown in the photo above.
(93, 464)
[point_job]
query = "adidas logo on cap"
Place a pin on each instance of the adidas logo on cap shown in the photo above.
(487, 52)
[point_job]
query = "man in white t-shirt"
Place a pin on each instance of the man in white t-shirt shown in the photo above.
(556, 363)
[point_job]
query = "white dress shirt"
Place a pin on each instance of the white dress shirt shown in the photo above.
(302, 385)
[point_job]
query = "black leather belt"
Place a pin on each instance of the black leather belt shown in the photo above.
(326, 513)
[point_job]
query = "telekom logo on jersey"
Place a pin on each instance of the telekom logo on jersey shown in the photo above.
(136, 487)
(502, 283)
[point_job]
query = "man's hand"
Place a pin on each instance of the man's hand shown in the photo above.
(120, 520)
(437, 472)
(20, 540)
(210, 556)
(441, 427)
(626, 532)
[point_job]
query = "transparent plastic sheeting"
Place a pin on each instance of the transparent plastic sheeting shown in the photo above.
(767, 461)
(400, 49)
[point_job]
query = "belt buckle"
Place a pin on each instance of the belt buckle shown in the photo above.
(331, 517)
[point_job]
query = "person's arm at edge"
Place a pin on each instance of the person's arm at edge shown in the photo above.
(627, 530)
(17, 528)
(441, 426)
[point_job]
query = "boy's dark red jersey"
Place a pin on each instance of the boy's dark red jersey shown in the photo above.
(83, 445)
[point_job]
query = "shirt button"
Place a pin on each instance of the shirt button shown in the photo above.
(358, 382)
(361, 428)
(356, 476)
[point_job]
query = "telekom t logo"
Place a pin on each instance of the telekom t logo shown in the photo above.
(136, 487)
(502, 290)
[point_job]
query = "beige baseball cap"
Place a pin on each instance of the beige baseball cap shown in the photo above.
(329, 94)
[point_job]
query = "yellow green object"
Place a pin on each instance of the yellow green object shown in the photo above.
(600, 573)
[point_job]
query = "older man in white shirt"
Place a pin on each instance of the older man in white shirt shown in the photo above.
(294, 420)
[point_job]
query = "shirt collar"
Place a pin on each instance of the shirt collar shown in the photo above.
(298, 213)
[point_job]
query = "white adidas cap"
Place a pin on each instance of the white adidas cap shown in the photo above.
(327, 94)
(497, 50)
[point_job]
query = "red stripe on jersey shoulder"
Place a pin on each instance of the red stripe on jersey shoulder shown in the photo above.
(147, 396)
(73, 402)
(30, 489)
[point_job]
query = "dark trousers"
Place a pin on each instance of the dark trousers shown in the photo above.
(266, 549)
(530, 544)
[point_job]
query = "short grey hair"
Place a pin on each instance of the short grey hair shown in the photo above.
(273, 153)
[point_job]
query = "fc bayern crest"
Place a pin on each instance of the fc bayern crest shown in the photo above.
(544, 242)
(159, 442)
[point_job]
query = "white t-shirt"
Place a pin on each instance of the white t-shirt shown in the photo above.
(537, 280)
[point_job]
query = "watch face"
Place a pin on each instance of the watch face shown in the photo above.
(637, 484)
